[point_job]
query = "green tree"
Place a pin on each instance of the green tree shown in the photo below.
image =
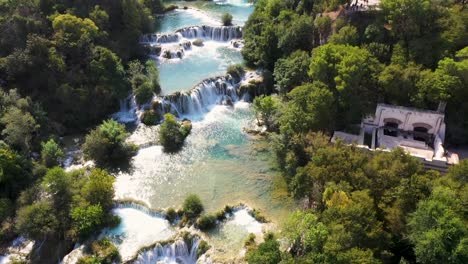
(172, 134)
(87, 220)
(19, 126)
(106, 143)
(291, 71)
(15, 172)
(51, 153)
(346, 35)
(37, 221)
(267, 253)
(310, 108)
(438, 230)
(226, 18)
(192, 206)
(267, 107)
(99, 190)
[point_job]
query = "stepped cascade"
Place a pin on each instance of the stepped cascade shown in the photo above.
(179, 252)
(221, 33)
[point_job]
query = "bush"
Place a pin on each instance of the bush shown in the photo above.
(206, 222)
(236, 71)
(227, 19)
(105, 251)
(150, 118)
(106, 144)
(172, 134)
(171, 215)
(144, 93)
(51, 153)
(250, 241)
(203, 247)
(267, 252)
(192, 206)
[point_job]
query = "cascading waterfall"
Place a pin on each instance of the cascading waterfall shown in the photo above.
(221, 33)
(179, 252)
(127, 112)
(219, 90)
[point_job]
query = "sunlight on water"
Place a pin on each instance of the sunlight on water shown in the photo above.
(197, 64)
(136, 230)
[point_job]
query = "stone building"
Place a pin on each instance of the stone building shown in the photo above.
(421, 133)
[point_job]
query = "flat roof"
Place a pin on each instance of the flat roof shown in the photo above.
(412, 109)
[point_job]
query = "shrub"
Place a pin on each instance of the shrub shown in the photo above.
(206, 222)
(250, 241)
(227, 19)
(203, 247)
(171, 215)
(150, 117)
(51, 153)
(106, 144)
(144, 93)
(192, 206)
(236, 71)
(172, 133)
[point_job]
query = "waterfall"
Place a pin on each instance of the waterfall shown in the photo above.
(221, 33)
(224, 33)
(219, 90)
(179, 252)
(127, 113)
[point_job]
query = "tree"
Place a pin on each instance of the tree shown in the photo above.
(226, 18)
(346, 35)
(172, 134)
(87, 220)
(291, 71)
(267, 108)
(19, 128)
(51, 153)
(15, 172)
(438, 230)
(192, 206)
(311, 108)
(351, 73)
(106, 144)
(71, 30)
(37, 221)
(267, 252)
(99, 190)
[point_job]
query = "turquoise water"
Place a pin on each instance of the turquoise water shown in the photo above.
(219, 162)
(200, 62)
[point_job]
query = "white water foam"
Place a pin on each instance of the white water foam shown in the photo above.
(136, 230)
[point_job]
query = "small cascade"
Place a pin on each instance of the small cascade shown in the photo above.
(219, 90)
(179, 252)
(128, 111)
(160, 38)
(122, 204)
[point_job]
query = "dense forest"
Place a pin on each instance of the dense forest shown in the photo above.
(64, 66)
(331, 71)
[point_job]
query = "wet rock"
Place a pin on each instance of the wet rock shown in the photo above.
(198, 43)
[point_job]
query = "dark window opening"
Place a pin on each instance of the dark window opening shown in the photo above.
(420, 133)
(391, 129)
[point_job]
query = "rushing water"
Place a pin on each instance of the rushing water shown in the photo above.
(219, 162)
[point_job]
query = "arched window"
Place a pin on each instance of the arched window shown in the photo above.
(421, 131)
(391, 126)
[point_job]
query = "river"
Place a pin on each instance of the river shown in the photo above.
(219, 162)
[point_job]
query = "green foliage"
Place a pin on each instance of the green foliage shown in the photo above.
(19, 127)
(346, 35)
(236, 71)
(86, 220)
(51, 153)
(172, 133)
(102, 251)
(206, 222)
(226, 18)
(171, 215)
(37, 221)
(15, 172)
(291, 71)
(106, 144)
(203, 247)
(192, 206)
(98, 189)
(267, 253)
(267, 108)
(438, 230)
